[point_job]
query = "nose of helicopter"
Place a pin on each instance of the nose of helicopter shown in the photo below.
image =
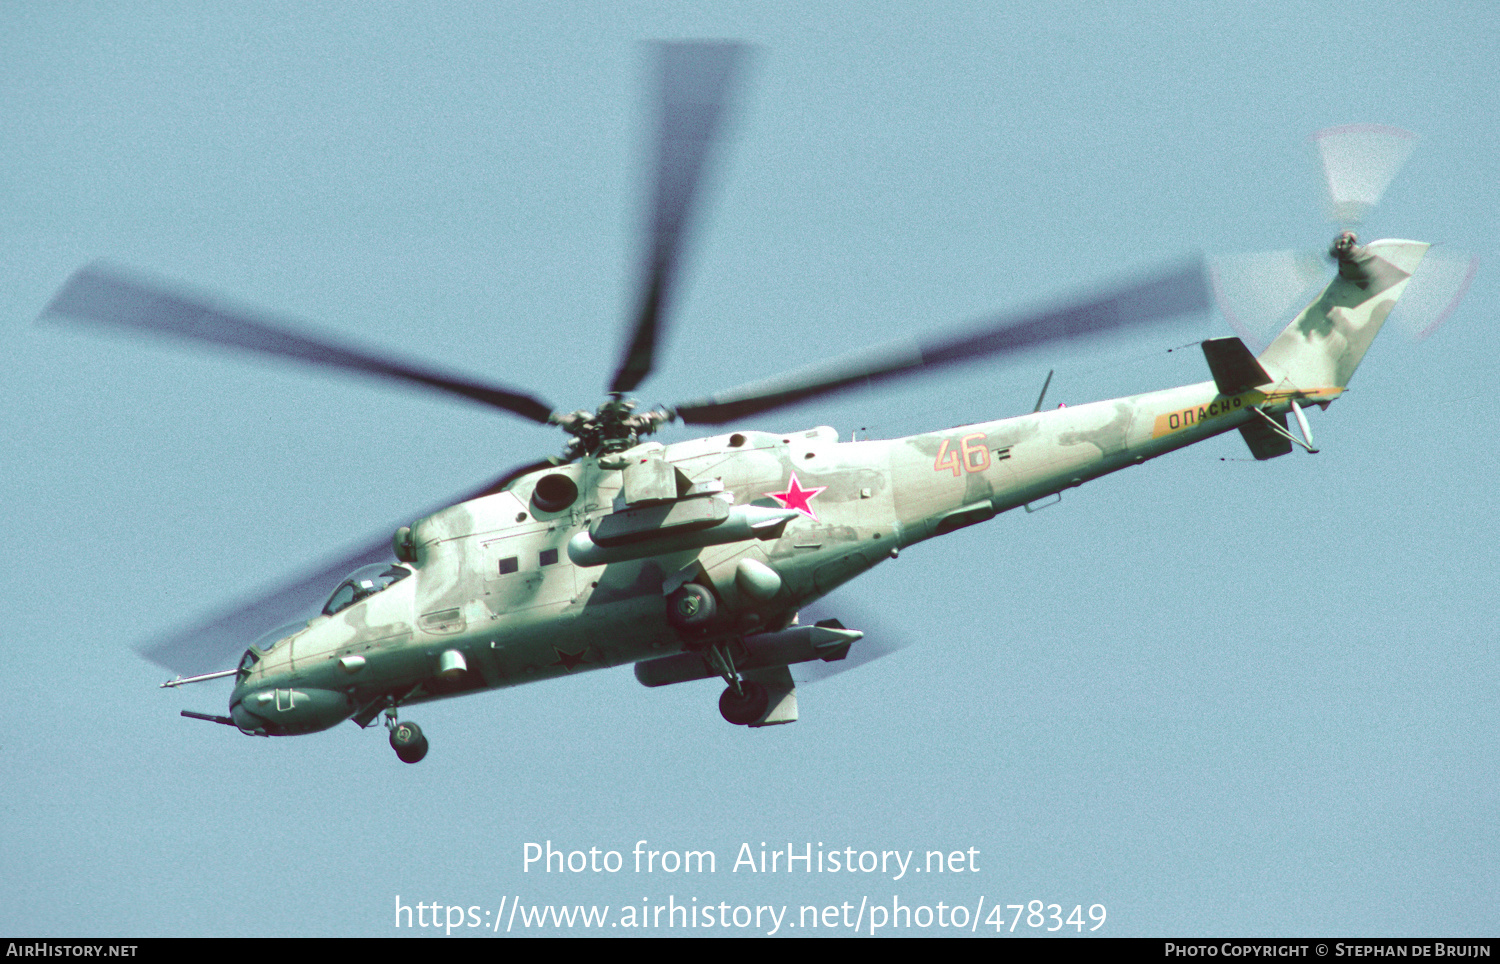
(288, 711)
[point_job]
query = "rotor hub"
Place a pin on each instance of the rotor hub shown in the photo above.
(614, 427)
(1345, 247)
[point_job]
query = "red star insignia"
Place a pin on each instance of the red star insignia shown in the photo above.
(796, 497)
(569, 661)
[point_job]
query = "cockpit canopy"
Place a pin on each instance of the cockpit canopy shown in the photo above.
(363, 583)
(267, 642)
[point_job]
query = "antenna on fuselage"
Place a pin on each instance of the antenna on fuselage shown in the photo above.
(1043, 395)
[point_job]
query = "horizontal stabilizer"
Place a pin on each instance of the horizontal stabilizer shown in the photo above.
(1264, 441)
(1235, 370)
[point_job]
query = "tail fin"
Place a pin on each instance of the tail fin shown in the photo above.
(1323, 346)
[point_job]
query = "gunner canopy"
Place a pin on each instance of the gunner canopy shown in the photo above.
(362, 583)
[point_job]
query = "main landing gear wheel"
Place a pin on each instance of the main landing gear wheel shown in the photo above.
(408, 742)
(746, 706)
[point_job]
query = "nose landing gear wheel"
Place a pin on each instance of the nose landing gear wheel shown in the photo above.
(746, 706)
(408, 742)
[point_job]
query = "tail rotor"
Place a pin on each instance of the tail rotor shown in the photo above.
(1359, 162)
(1260, 292)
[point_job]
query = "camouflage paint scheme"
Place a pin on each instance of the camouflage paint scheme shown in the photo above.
(858, 503)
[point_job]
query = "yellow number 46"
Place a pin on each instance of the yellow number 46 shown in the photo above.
(971, 455)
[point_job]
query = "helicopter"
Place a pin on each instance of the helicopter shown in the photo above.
(692, 560)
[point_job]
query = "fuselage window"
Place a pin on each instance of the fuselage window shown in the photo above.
(549, 557)
(509, 565)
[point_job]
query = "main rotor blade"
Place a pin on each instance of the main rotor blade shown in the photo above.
(694, 81)
(103, 295)
(217, 642)
(1181, 291)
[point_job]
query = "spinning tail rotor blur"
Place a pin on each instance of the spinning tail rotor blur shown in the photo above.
(1259, 291)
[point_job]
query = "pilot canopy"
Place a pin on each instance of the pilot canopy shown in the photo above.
(363, 583)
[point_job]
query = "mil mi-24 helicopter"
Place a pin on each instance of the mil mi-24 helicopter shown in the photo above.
(691, 560)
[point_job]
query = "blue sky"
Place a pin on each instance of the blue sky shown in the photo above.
(1217, 697)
